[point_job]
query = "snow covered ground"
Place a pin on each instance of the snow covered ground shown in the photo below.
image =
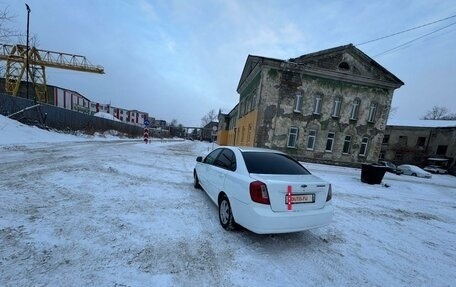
(84, 211)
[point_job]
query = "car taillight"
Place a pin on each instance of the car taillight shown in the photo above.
(330, 193)
(259, 192)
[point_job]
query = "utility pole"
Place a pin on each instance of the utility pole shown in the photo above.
(27, 55)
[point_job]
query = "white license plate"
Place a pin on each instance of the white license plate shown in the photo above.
(301, 198)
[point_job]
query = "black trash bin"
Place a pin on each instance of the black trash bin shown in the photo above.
(372, 173)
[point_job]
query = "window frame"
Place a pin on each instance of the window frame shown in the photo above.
(318, 102)
(330, 139)
(386, 139)
(372, 112)
(421, 142)
(335, 113)
(364, 145)
(314, 138)
(441, 150)
(295, 137)
(297, 108)
(355, 109)
(345, 143)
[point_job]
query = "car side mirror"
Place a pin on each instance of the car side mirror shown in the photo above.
(199, 159)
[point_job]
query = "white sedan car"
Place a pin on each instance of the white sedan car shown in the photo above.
(435, 169)
(413, 170)
(263, 190)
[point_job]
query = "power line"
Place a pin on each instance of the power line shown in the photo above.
(404, 31)
(406, 43)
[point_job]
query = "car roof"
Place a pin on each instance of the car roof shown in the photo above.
(253, 149)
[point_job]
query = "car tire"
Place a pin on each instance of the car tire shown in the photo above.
(413, 174)
(196, 183)
(225, 213)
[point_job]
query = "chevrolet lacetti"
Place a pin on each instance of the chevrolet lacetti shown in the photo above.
(263, 190)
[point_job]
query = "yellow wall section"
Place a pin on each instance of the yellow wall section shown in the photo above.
(245, 129)
(222, 137)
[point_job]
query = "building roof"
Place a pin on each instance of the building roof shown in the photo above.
(421, 123)
(317, 63)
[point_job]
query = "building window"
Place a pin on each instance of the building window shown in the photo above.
(292, 137)
(372, 112)
(317, 104)
(330, 142)
(402, 140)
(386, 139)
(336, 107)
(311, 139)
(355, 109)
(344, 66)
(399, 156)
(363, 149)
(421, 141)
(241, 110)
(347, 144)
(298, 104)
(381, 155)
(248, 104)
(442, 149)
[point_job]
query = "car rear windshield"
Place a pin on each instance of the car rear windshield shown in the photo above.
(272, 163)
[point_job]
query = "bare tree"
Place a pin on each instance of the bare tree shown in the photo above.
(6, 31)
(173, 123)
(439, 113)
(211, 116)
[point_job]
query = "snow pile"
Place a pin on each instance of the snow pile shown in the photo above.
(106, 116)
(421, 123)
(12, 132)
(123, 213)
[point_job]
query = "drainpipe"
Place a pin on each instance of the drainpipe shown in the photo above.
(429, 140)
(255, 132)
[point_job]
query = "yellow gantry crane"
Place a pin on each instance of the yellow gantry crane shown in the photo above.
(16, 65)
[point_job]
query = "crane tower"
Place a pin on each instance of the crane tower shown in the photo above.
(16, 65)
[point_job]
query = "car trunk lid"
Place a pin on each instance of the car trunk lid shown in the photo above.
(308, 191)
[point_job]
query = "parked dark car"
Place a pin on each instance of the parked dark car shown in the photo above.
(390, 167)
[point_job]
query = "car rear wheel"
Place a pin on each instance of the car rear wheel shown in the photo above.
(413, 174)
(196, 183)
(225, 214)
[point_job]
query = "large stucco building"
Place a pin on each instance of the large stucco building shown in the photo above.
(329, 106)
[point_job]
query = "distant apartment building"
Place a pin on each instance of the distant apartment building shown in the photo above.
(329, 106)
(133, 117)
(70, 100)
(209, 131)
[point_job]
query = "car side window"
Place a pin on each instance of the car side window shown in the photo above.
(226, 160)
(210, 158)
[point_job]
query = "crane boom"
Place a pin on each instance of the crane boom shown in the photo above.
(16, 57)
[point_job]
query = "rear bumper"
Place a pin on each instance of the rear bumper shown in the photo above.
(261, 219)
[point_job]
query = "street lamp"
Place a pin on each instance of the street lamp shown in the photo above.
(27, 54)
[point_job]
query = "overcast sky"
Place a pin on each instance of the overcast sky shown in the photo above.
(180, 59)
